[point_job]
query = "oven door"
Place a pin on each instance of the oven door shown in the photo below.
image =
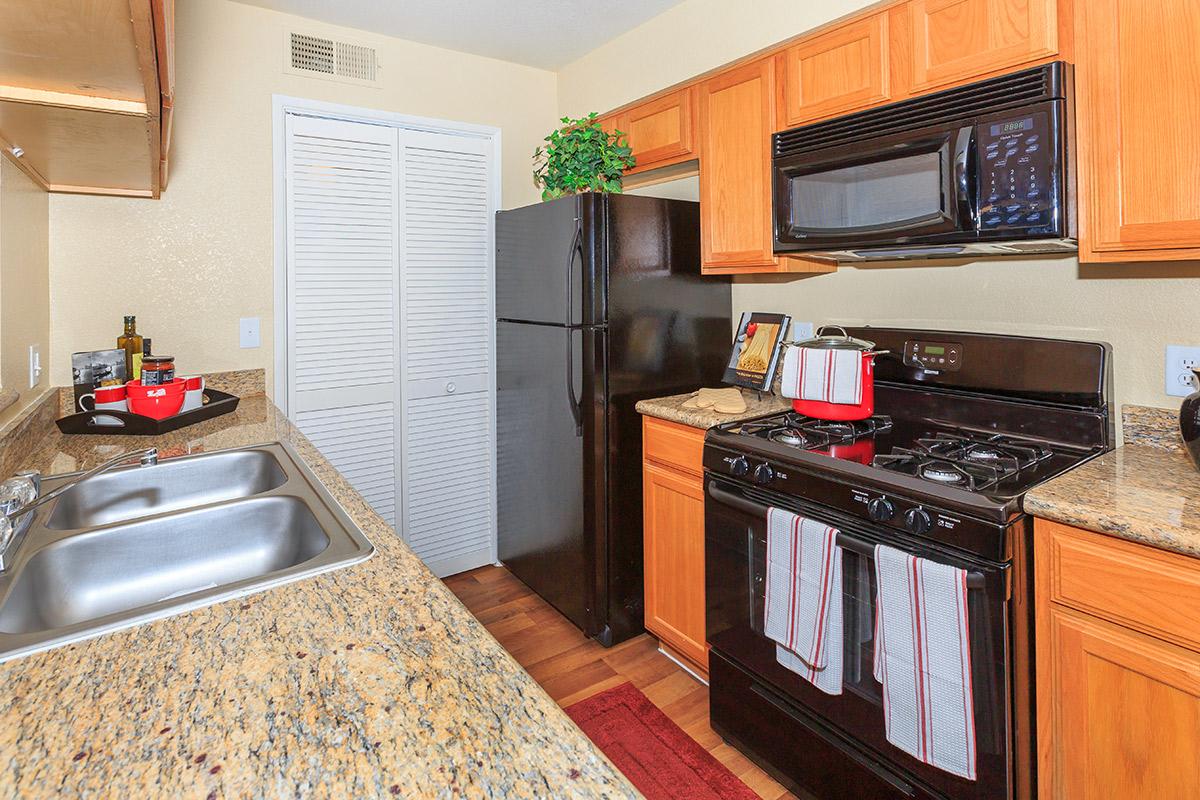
(903, 189)
(735, 567)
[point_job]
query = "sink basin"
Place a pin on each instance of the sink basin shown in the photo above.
(178, 483)
(86, 577)
(149, 542)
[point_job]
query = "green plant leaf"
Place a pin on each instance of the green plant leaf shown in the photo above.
(581, 156)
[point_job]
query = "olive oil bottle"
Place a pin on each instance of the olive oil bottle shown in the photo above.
(131, 342)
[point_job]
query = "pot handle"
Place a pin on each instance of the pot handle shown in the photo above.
(821, 330)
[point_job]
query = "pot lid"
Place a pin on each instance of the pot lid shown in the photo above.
(826, 341)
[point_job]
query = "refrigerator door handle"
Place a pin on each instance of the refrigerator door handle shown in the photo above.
(576, 249)
(572, 398)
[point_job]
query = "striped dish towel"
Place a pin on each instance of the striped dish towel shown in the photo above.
(923, 660)
(831, 376)
(803, 613)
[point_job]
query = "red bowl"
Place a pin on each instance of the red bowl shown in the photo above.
(156, 402)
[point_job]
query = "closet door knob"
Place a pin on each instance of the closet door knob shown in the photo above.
(450, 387)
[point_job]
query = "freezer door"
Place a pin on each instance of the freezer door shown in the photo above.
(546, 265)
(549, 506)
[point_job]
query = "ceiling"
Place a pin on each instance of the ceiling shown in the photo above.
(540, 33)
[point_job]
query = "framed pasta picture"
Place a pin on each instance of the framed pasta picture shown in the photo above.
(756, 350)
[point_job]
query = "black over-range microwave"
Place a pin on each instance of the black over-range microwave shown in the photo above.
(981, 169)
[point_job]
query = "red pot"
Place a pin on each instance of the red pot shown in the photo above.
(819, 409)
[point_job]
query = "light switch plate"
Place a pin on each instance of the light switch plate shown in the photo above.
(249, 332)
(1177, 370)
(801, 331)
(35, 365)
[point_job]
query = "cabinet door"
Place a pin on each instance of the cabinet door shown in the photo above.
(1138, 109)
(660, 131)
(837, 72)
(958, 40)
(737, 113)
(1119, 713)
(674, 550)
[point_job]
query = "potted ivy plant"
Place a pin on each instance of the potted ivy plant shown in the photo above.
(581, 157)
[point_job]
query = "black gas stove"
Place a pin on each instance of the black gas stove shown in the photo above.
(939, 472)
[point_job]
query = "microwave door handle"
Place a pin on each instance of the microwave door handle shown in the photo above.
(964, 147)
(846, 541)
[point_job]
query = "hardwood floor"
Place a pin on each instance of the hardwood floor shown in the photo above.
(571, 667)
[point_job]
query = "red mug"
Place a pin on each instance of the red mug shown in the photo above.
(105, 398)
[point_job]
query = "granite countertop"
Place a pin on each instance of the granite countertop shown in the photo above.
(671, 409)
(1146, 491)
(372, 680)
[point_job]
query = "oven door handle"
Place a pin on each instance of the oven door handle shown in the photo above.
(975, 580)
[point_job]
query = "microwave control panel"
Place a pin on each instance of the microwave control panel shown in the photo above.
(1018, 173)
(938, 356)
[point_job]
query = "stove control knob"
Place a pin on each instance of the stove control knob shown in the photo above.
(881, 509)
(739, 467)
(917, 521)
(763, 474)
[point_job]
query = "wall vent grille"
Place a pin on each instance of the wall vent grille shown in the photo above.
(355, 61)
(313, 54)
(322, 56)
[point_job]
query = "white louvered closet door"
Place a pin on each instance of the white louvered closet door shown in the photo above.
(342, 294)
(447, 325)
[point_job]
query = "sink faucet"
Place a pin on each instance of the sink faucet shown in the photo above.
(21, 494)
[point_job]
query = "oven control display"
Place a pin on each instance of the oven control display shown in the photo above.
(935, 356)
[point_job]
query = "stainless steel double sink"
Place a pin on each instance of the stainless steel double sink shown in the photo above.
(147, 542)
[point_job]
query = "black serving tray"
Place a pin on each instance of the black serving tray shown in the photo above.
(137, 425)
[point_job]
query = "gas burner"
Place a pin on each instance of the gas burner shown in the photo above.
(983, 453)
(839, 429)
(797, 430)
(942, 473)
(790, 436)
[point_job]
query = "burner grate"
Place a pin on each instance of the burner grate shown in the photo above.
(797, 430)
(974, 462)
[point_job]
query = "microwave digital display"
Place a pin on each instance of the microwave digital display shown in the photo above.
(1012, 126)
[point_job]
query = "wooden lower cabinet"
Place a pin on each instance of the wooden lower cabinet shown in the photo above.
(1118, 707)
(673, 505)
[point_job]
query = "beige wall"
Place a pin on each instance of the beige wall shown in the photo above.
(1139, 309)
(24, 283)
(192, 263)
(686, 40)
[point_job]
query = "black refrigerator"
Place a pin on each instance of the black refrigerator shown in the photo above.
(599, 303)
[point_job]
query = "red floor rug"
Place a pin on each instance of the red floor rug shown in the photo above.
(654, 753)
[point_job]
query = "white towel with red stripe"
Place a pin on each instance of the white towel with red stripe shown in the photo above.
(803, 614)
(923, 660)
(831, 376)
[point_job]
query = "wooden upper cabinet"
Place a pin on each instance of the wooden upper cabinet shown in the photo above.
(960, 40)
(836, 72)
(86, 92)
(737, 117)
(1137, 108)
(661, 131)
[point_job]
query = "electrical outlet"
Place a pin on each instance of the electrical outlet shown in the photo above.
(35, 365)
(249, 334)
(801, 331)
(1180, 362)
